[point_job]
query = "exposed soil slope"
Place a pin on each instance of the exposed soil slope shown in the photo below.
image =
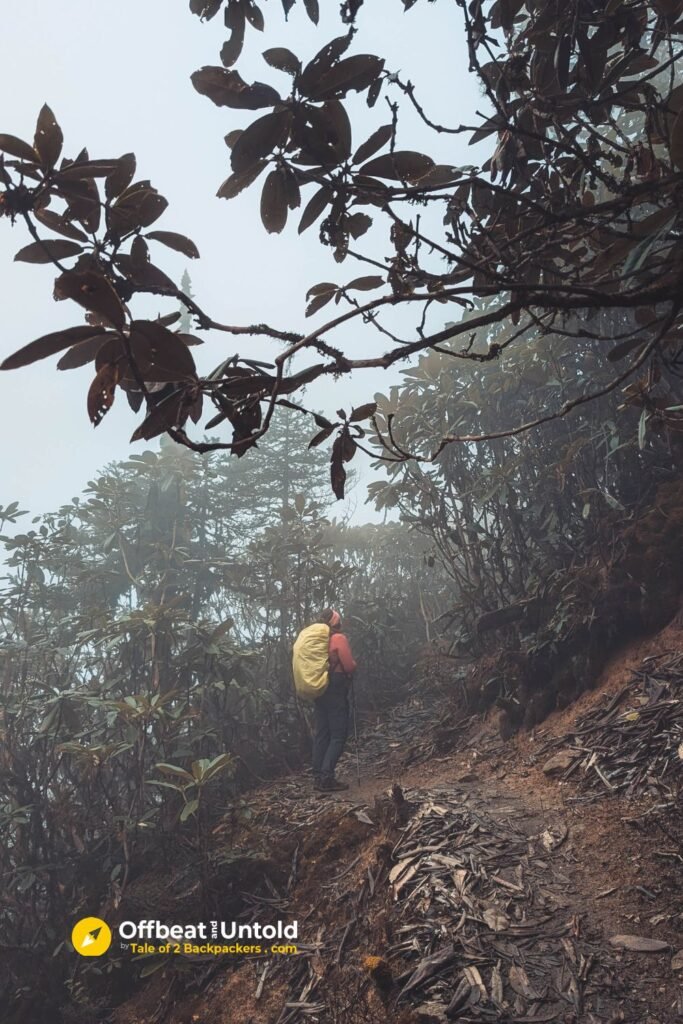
(465, 885)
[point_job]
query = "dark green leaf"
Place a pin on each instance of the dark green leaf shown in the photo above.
(312, 10)
(46, 346)
(175, 241)
(168, 412)
(120, 179)
(206, 9)
(640, 252)
(227, 89)
(48, 139)
(139, 253)
(321, 289)
(87, 169)
(159, 354)
(134, 398)
(323, 61)
(59, 224)
(84, 352)
(358, 223)
(642, 428)
(363, 412)
(349, 447)
(233, 185)
(340, 139)
(48, 251)
(371, 145)
(357, 73)
(314, 208)
(492, 124)
(401, 165)
(234, 20)
(259, 140)
(337, 471)
(172, 318)
(93, 292)
(274, 202)
(293, 190)
(232, 137)
(255, 17)
(320, 139)
(137, 207)
(320, 437)
(366, 284)
(318, 302)
(282, 59)
(563, 54)
(623, 348)
(101, 393)
(84, 202)
(145, 276)
(17, 147)
(441, 174)
(192, 806)
(374, 91)
(645, 227)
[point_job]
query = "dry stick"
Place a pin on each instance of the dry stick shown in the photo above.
(340, 950)
(337, 878)
(575, 297)
(604, 778)
(259, 990)
(208, 323)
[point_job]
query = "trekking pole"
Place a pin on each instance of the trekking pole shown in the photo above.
(355, 732)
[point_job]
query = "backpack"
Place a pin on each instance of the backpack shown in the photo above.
(310, 661)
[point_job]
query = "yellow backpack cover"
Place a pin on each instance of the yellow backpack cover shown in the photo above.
(311, 661)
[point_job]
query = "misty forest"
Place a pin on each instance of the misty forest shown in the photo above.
(476, 816)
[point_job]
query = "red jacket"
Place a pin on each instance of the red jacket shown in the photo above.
(341, 659)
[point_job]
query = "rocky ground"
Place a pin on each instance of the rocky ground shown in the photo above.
(465, 878)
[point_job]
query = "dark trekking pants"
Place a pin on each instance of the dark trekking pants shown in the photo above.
(331, 726)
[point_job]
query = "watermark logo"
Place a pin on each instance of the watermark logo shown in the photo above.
(91, 936)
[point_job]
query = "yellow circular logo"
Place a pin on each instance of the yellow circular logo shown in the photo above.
(91, 936)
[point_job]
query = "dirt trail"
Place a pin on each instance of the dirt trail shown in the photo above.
(523, 881)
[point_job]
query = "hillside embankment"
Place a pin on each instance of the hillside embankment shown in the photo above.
(462, 876)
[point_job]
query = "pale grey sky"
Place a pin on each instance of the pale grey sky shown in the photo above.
(117, 75)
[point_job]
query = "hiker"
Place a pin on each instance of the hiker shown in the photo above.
(331, 709)
(323, 667)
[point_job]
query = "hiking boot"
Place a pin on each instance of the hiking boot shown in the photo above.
(319, 784)
(335, 786)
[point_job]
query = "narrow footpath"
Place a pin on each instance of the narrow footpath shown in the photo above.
(464, 879)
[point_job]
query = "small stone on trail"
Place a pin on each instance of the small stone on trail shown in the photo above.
(559, 762)
(639, 944)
